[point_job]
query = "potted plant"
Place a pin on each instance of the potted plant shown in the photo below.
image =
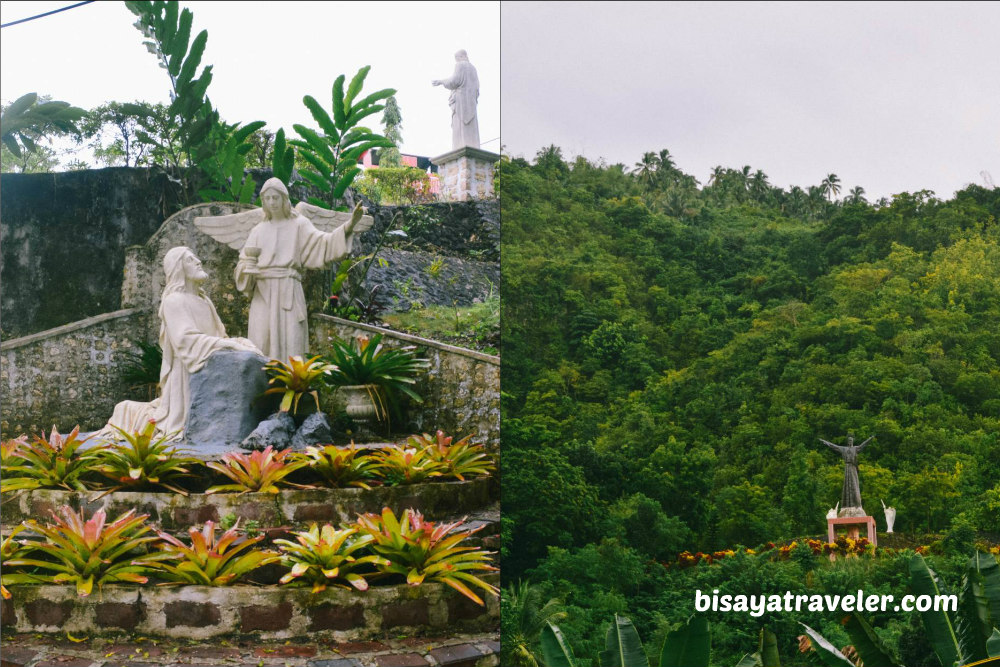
(370, 377)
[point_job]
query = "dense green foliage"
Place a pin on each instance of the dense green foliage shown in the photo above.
(673, 352)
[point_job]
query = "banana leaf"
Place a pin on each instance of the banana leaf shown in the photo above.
(688, 646)
(988, 567)
(622, 646)
(993, 645)
(769, 649)
(869, 645)
(937, 623)
(555, 649)
(827, 652)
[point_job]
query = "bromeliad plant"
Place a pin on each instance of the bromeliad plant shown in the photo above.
(342, 466)
(258, 472)
(321, 557)
(209, 562)
(426, 551)
(12, 550)
(402, 465)
(53, 463)
(457, 460)
(143, 460)
(365, 361)
(88, 551)
(296, 379)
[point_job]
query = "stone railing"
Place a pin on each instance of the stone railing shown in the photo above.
(461, 391)
(68, 375)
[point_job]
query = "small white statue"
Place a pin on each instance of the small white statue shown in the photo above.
(276, 242)
(464, 87)
(190, 331)
(832, 512)
(890, 515)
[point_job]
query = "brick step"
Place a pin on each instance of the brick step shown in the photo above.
(455, 650)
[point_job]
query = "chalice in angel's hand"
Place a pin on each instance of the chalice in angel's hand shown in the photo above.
(251, 256)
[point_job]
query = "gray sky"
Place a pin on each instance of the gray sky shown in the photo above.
(890, 96)
(266, 57)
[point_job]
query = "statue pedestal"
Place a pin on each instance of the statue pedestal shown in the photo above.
(466, 173)
(853, 524)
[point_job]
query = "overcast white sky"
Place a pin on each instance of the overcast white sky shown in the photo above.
(266, 57)
(890, 96)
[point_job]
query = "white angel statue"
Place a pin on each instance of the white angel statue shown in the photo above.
(275, 244)
(890, 516)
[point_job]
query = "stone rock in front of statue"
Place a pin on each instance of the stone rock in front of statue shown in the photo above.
(315, 430)
(223, 409)
(276, 431)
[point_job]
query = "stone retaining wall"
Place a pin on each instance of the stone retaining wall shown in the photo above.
(68, 375)
(200, 612)
(65, 237)
(461, 391)
(171, 511)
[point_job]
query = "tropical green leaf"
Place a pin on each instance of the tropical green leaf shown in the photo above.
(622, 647)
(345, 181)
(355, 86)
(555, 649)
(193, 58)
(179, 45)
(870, 647)
(339, 112)
(383, 94)
(986, 565)
(321, 117)
(21, 104)
(359, 115)
(688, 646)
(317, 144)
(768, 649)
(827, 652)
(937, 623)
(993, 644)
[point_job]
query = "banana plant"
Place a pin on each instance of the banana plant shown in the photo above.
(333, 155)
(767, 652)
(26, 120)
(217, 149)
(967, 635)
(688, 646)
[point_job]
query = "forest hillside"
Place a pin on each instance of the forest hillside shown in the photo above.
(673, 351)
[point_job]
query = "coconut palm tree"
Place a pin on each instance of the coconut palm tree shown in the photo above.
(857, 195)
(759, 187)
(646, 169)
(831, 186)
(523, 604)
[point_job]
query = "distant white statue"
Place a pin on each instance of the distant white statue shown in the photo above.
(464, 87)
(832, 512)
(190, 331)
(890, 515)
(276, 243)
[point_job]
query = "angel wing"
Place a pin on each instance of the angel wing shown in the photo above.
(326, 220)
(232, 229)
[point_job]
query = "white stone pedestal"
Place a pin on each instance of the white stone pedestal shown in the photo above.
(466, 173)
